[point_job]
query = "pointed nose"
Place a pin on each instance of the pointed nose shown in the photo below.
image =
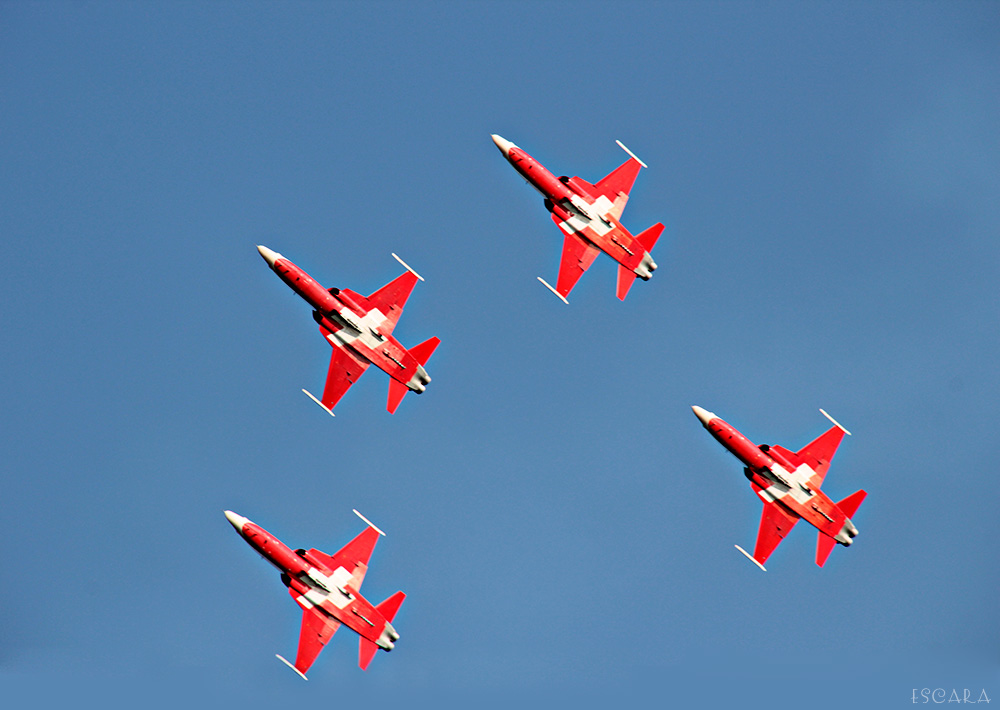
(269, 256)
(503, 144)
(704, 415)
(237, 521)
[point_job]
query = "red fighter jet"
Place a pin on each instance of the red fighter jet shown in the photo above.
(588, 217)
(789, 484)
(327, 588)
(360, 331)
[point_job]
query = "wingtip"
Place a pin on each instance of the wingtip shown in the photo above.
(407, 267)
(622, 146)
(322, 406)
(547, 285)
(835, 422)
(750, 557)
(285, 661)
(372, 525)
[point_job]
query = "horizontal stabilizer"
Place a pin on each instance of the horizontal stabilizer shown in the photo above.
(824, 546)
(366, 653)
(849, 506)
(626, 277)
(649, 237)
(424, 351)
(390, 606)
(397, 390)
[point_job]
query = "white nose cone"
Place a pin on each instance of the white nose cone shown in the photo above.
(503, 144)
(237, 521)
(704, 415)
(269, 256)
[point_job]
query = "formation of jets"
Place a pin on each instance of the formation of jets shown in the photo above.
(359, 329)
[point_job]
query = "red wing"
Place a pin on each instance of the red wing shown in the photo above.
(775, 523)
(618, 184)
(391, 298)
(317, 629)
(818, 454)
(577, 256)
(345, 369)
(353, 556)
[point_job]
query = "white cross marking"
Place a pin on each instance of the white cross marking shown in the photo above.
(336, 581)
(372, 321)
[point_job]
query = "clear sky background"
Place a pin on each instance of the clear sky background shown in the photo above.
(561, 523)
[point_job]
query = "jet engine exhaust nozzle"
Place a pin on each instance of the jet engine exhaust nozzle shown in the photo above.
(387, 640)
(418, 383)
(645, 268)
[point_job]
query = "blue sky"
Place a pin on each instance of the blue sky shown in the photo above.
(560, 521)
